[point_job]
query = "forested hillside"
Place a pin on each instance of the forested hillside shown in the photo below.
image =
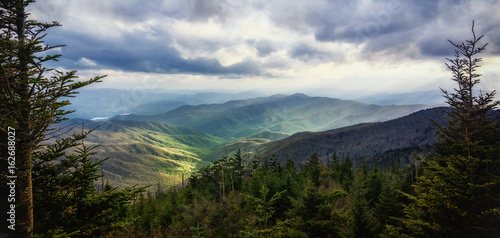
(145, 153)
(278, 113)
(270, 199)
(367, 139)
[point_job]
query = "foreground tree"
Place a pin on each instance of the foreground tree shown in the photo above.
(66, 201)
(31, 98)
(458, 194)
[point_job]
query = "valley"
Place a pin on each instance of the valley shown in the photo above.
(164, 140)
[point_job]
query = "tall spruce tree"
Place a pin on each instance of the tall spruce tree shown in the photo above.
(31, 97)
(458, 194)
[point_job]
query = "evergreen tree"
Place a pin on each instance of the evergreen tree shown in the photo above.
(362, 221)
(66, 202)
(263, 209)
(312, 171)
(30, 100)
(458, 194)
(388, 208)
(342, 171)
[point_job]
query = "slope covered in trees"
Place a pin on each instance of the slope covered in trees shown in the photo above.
(146, 153)
(382, 142)
(269, 199)
(278, 113)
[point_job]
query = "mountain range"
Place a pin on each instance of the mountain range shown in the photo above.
(105, 103)
(145, 153)
(278, 113)
(366, 142)
(166, 139)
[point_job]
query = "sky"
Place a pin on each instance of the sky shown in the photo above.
(283, 45)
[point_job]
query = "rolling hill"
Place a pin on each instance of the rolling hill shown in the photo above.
(147, 149)
(104, 103)
(279, 113)
(396, 138)
(146, 153)
(382, 142)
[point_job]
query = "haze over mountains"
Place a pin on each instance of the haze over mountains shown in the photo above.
(278, 113)
(105, 103)
(165, 136)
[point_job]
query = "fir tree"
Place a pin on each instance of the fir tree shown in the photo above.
(30, 100)
(362, 221)
(66, 201)
(458, 194)
(264, 210)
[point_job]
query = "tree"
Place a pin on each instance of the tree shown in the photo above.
(342, 171)
(363, 222)
(65, 200)
(312, 171)
(30, 100)
(264, 210)
(458, 194)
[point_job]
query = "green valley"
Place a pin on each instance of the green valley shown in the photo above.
(146, 153)
(162, 148)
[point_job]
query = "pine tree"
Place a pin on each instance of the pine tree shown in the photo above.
(30, 100)
(66, 201)
(458, 194)
(264, 210)
(313, 170)
(362, 221)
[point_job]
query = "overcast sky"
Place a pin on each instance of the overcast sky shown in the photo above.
(370, 46)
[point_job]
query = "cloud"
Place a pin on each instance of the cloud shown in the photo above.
(280, 39)
(201, 10)
(308, 53)
(264, 47)
(84, 62)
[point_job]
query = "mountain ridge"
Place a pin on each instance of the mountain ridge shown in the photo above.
(385, 142)
(360, 140)
(277, 113)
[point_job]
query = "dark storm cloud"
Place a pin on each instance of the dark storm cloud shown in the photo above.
(359, 24)
(133, 52)
(264, 47)
(385, 25)
(202, 10)
(137, 10)
(378, 28)
(308, 53)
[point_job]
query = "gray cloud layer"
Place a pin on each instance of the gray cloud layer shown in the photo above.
(380, 27)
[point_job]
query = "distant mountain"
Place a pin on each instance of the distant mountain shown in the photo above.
(433, 97)
(156, 107)
(104, 103)
(278, 113)
(145, 153)
(396, 138)
(146, 149)
(382, 142)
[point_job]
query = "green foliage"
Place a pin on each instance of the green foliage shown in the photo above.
(458, 194)
(66, 201)
(363, 221)
(274, 200)
(32, 96)
(264, 210)
(342, 171)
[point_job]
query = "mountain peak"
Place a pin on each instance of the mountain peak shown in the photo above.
(299, 95)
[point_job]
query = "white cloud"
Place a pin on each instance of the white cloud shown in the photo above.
(86, 62)
(376, 45)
